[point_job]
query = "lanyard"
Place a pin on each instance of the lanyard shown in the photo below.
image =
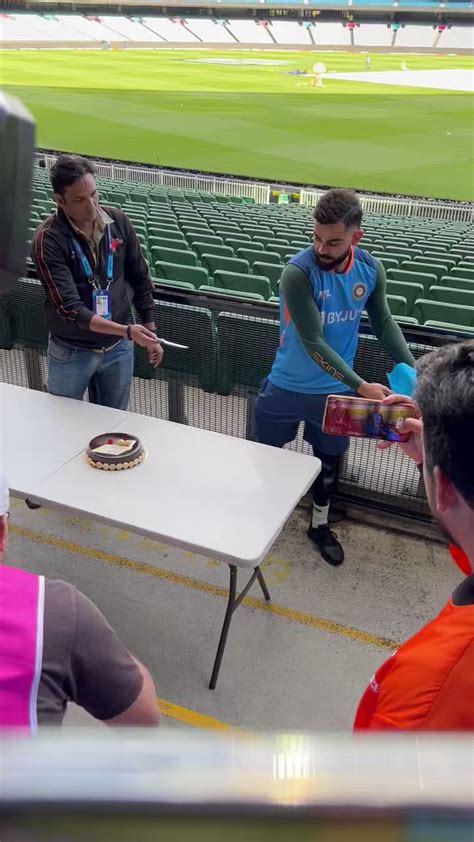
(79, 251)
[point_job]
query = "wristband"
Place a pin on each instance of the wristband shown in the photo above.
(129, 333)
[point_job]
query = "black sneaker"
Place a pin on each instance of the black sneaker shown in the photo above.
(327, 544)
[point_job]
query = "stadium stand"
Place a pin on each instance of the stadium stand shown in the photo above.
(331, 34)
(415, 35)
(249, 32)
(209, 30)
(290, 32)
(126, 29)
(170, 30)
(373, 35)
(456, 37)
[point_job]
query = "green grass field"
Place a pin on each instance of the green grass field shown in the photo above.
(160, 107)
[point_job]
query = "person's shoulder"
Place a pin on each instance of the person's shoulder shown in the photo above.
(364, 258)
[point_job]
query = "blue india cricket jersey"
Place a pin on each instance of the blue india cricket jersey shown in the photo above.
(340, 299)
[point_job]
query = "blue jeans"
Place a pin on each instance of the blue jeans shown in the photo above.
(107, 374)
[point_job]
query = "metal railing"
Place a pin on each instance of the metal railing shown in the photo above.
(413, 208)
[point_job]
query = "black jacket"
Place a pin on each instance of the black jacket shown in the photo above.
(68, 291)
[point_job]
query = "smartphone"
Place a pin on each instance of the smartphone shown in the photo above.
(360, 417)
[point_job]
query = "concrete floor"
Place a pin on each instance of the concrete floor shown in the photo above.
(303, 665)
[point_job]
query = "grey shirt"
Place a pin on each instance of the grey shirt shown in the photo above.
(84, 660)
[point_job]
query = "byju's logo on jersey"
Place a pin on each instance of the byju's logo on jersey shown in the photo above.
(359, 291)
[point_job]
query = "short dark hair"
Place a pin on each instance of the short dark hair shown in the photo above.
(67, 169)
(445, 396)
(339, 205)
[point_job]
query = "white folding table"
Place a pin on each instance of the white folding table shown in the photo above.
(212, 494)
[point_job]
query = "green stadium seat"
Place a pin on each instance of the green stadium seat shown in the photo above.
(447, 262)
(397, 304)
(212, 290)
(267, 240)
(426, 279)
(192, 326)
(395, 251)
(241, 244)
(177, 255)
(462, 272)
(445, 326)
(211, 240)
(194, 275)
(206, 248)
(387, 262)
(406, 320)
(214, 262)
(272, 271)
(177, 284)
(163, 228)
(159, 198)
(250, 254)
(407, 290)
(236, 366)
(451, 295)
(424, 268)
(429, 310)
(167, 243)
(243, 283)
(283, 252)
(300, 244)
(457, 283)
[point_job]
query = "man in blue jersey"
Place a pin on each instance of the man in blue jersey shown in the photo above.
(323, 291)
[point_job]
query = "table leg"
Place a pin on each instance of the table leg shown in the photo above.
(233, 603)
(176, 401)
(34, 372)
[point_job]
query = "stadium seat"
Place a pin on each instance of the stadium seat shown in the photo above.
(230, 264)
(406, 320)
(451, 295)
(428, 310)
(164, 242)
(247, 347)
(445, 326)
(387, 262)
(462, 272)
(192, 326)
(267, 240)
(194, 275)
(457, 283)
(213, 290)
(176, 284)
(300, 244)
(206, 248)
(237, 243)
(181, 256)
(407, 290)
(210, 239)
(252, 255)
(438, 261)
(243, 283)
(410, 277)
(397, 304)
(272, 271)
(424, 268)
(395, 251)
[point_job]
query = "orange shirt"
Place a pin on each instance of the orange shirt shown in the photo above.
(428, 684)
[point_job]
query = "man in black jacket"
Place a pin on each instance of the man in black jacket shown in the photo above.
(90, 263)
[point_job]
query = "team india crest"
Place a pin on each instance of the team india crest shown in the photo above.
(359, 291)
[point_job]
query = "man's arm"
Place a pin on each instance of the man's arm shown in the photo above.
(295, 287)
(383, 324)
(137, 274)
(103, 676)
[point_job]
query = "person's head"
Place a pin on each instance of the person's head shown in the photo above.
(4, 506)
(445, 397)
(337, 221)
(74, 188)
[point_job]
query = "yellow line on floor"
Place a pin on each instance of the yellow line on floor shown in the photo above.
(294, 616)
(193, 718)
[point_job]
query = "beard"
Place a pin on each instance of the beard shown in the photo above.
(331, 263)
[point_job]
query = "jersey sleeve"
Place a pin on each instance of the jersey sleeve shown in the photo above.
(295, 287)
(383, 324)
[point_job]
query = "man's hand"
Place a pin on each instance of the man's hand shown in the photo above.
(413, 448)
(373, 391)
(144, 337)
(155, 355)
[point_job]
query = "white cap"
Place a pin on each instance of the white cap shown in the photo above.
(4, 495)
